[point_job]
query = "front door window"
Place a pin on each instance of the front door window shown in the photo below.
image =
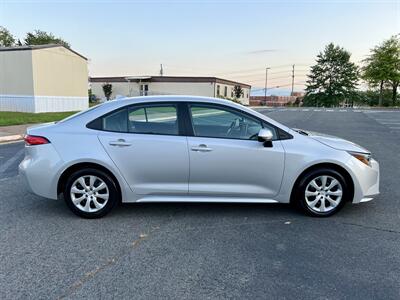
(215, 122)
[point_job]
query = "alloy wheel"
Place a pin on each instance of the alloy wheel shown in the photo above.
(89, 193)
(323, 194)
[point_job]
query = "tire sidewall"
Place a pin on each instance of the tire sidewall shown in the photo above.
(300, 195)
(112, 190)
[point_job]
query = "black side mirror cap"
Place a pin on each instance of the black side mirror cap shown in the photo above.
(268, 144)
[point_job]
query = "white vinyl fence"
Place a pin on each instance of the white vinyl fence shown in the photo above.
(36, 104)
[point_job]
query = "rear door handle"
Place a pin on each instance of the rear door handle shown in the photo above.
(201, 148)
(119, 143)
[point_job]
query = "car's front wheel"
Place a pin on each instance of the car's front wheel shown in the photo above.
(322, 192)
(90, 193)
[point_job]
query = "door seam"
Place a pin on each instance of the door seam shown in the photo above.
(187, 148)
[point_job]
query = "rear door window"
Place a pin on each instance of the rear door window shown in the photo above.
(116, 121)
(154, 119)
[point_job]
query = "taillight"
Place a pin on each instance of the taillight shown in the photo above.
(31, 140)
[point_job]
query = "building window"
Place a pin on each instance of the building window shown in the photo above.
(225, 91)
(218, 90)
(247, 95)
(144, 89)
(231, 93)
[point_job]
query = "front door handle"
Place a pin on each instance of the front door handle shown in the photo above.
(119, 143)
(201, 148)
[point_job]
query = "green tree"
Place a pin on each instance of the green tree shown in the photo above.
(371, 97)
(6, 38)
(107, 89)
(91, 96)
(39, 37)
(333, 79)
(237, 91)
(382, 67)
(374, 71)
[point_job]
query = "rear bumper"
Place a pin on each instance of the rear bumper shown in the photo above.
(38, 170)
(22, 174)
(366, 180)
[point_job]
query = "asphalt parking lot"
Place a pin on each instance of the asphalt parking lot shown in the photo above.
(212, 251)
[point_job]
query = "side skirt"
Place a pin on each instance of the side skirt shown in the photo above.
(202, 199)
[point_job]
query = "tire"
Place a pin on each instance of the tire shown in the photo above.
(86, 193)
(328, 185)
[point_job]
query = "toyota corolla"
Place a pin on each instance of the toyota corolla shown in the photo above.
(192, 149)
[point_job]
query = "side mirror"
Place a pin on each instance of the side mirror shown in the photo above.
(265, 136)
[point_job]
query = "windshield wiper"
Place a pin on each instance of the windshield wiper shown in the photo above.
(300, 131)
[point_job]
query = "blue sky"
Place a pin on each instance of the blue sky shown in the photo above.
(229, 39)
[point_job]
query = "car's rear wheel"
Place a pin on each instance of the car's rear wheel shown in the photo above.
(90, 193)
(322, 192)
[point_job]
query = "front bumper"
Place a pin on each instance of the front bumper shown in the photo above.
(365, 179)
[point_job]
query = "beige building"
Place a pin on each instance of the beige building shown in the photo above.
(43, 78)
(132, 86)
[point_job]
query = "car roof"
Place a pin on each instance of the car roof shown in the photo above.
(120, 102)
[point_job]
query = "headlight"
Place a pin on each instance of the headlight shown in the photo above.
(363, 157)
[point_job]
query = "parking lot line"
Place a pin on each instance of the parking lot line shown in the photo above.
(390, 123)
(379, 111)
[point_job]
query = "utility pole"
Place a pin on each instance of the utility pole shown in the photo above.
(161, 70)
(266, 83)
(292, 81)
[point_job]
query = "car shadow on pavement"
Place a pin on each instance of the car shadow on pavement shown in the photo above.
(194, 210)
(206, 209)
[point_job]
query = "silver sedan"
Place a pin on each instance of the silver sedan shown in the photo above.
(192, 149)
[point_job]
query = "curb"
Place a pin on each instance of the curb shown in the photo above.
(11, 138)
